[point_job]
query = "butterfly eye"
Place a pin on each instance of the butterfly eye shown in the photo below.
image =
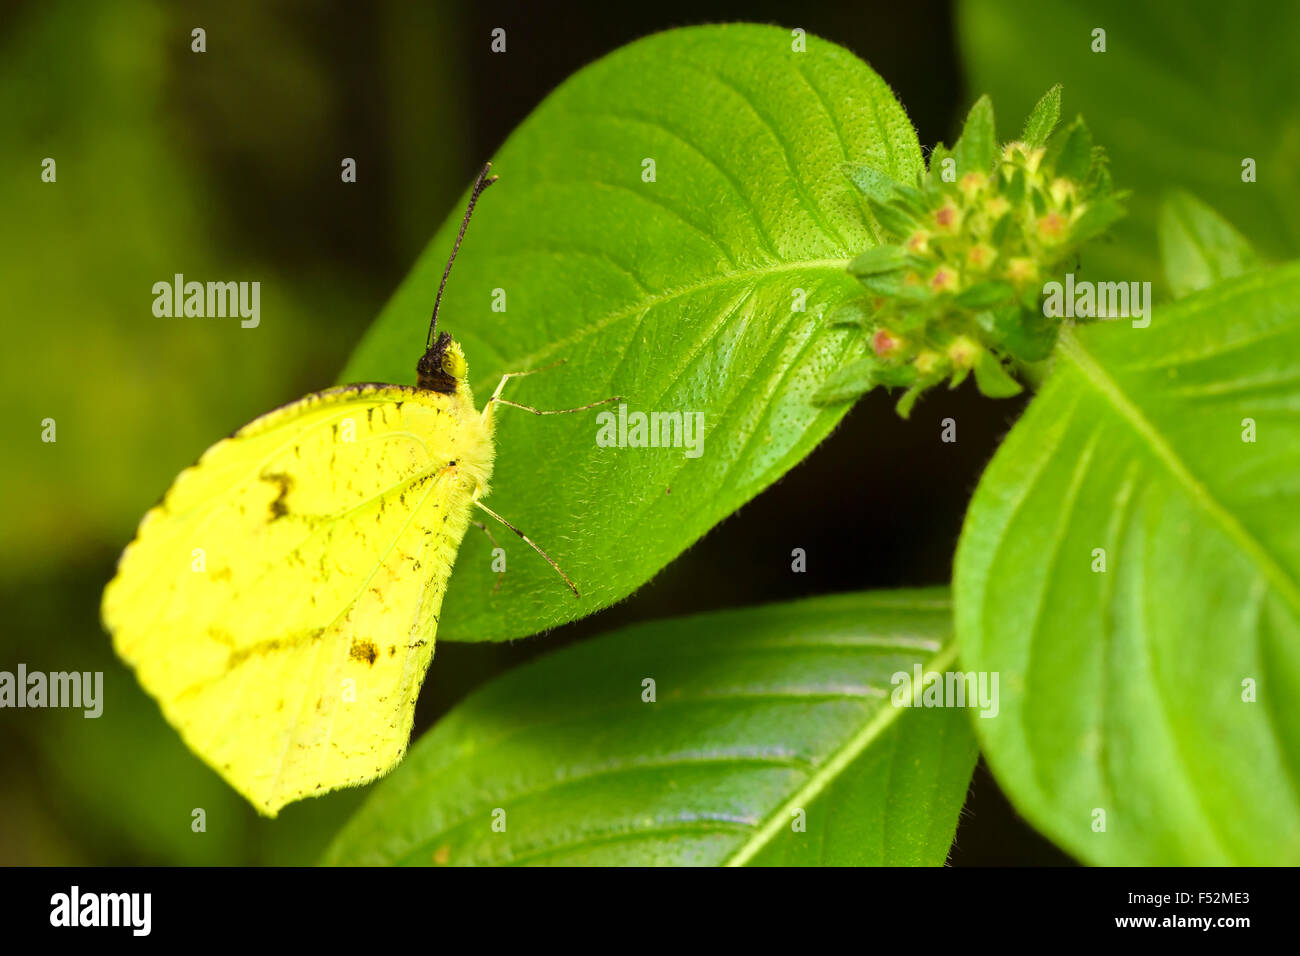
(453, 362)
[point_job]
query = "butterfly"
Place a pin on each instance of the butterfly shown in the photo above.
(281, 602)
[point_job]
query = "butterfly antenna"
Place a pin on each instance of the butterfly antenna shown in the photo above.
(480, 184)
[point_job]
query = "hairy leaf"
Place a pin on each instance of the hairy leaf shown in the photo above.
(1043, 119)
(762, 719)
(1130, 565)
(975, 149)
(1198, 246)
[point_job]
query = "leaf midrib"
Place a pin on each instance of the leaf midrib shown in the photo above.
(1197, 490)
(828, 772)
(528, 361)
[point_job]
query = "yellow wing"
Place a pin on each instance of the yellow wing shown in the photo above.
(280, 603)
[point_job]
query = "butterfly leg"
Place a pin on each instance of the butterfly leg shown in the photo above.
(527, 540)
(484, 528)
(496, 398)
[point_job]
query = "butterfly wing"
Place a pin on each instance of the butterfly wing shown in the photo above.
(280, 603)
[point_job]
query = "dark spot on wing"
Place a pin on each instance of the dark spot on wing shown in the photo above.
(285, 482)
(364, 651)
(241, 654)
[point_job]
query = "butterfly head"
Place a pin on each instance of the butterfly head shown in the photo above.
(442, 368)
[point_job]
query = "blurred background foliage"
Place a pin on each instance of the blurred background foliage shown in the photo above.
(225, 165)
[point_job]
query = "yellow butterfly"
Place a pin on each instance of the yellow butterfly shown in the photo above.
(281, 602)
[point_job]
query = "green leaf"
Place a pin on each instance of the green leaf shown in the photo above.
(1164, 690)
(985, 294)
(850, 381)
(934, 173)
(1099, 217)
(994, 380)
(977, 147)
(1099, 182)
(679, 294)
(1181, 96)
(907, 402)
(1024, 334)
(860, 376)
(871, 182)
(892, 219)
(1042, 121)
(1070, 152)
(1198, 246)
(758, 713)
(894, 284)
(855, 313)
(910, 199)
(877, 260)
(1015, 190)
